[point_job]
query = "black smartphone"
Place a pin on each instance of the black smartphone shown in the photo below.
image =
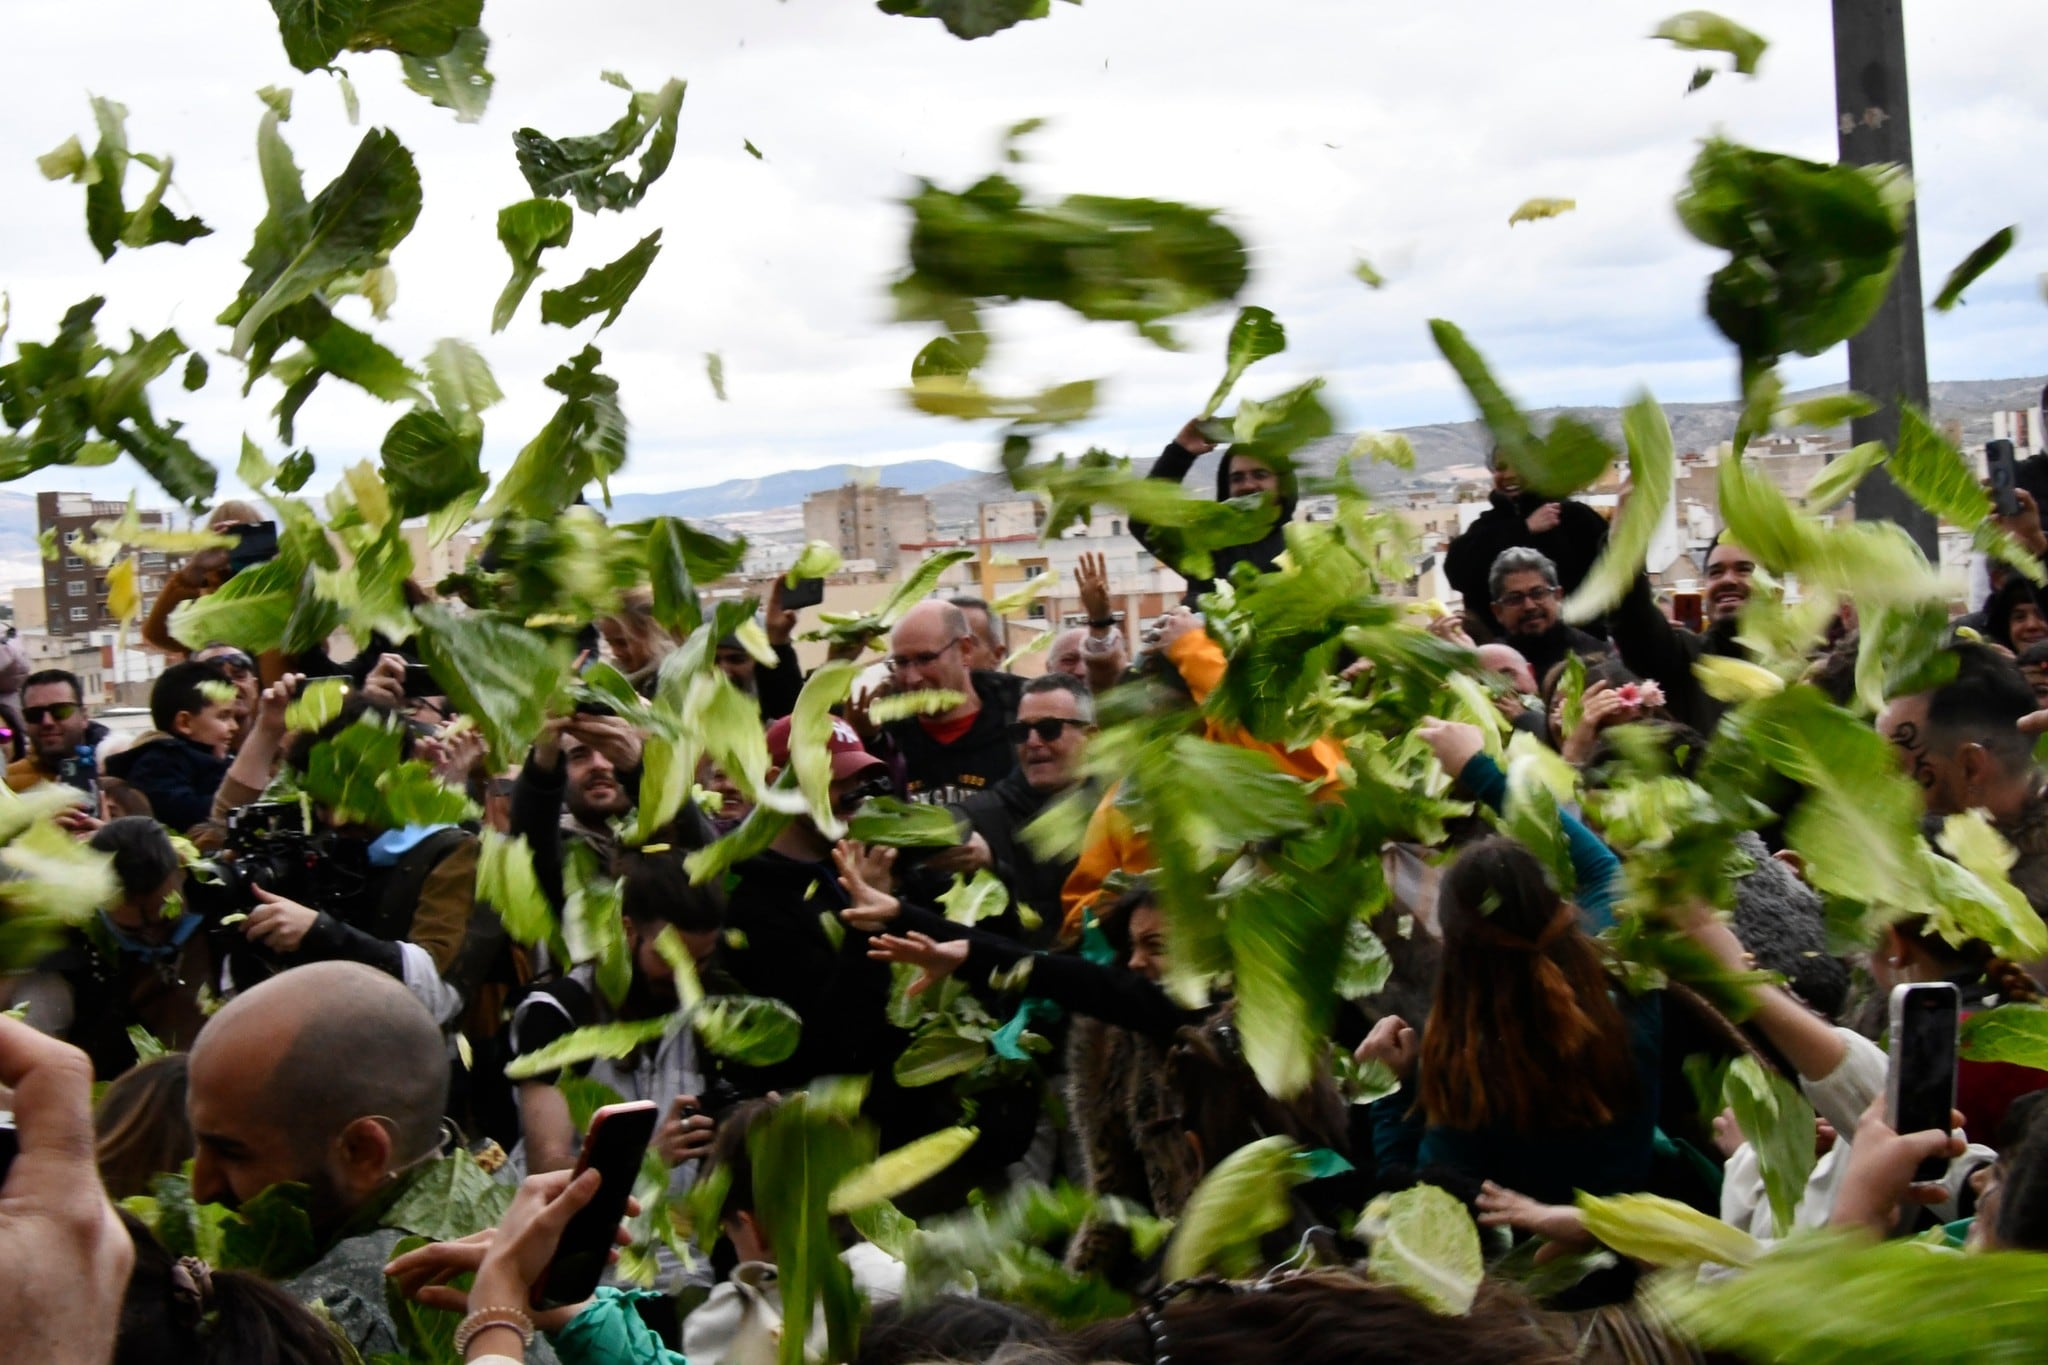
(419, 682)
(9, 1145)
(805, 592)
(2000, 468)
(1921, 1090)
(618, 1138)
(255, 543)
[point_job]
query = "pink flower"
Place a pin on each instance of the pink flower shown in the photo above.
(1644, 696)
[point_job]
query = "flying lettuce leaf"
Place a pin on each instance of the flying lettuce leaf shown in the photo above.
(1699, 30)
(960, 396)
(1241, 1199)
(1986, 254)
(526, 229)
(1664, 1232)
(1776, 1118)
(1569, 458)
(863, 627)
(1255, 336)
(602, 289)
(1424, 1244)
(1834, 484)
(1652, 466)
(585, 440)
(251, 610)
(2004, 919)
(109, 222)
(505, 880)
(587, 167)
(588, 1045)
(801, 1151)
(903, 824)
(457, 78)
(494, 669)
(897, 1173)
(810, 729)
(1934, 474)
(750, 1030)
(970, 19)
(2010, 1033)
(1531, 210)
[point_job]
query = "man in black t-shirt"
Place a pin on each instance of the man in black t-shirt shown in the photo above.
(946, 757)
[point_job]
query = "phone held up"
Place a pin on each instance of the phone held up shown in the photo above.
(618, 1138)
(2000, 469)
(1921, 1091)
(805, 592)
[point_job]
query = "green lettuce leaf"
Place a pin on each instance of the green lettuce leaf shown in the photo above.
(750, 1030)
(585, 440)
(450, 1198)
(1778, 1122)
(971, 19)
(1255, 336)
(1660, 1231)
(1652, 466)
(588, 1045)
(1569, 458)
(1424, 1244)
(1699, 30)
(587, 167)
(505, 880)
(457, 78)
(898, 1172)
(603, 289)
(1241, 1199)
(495, 670)
(1982, 257)
(526, 229)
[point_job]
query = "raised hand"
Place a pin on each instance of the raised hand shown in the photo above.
(935, 960)
(860, 868)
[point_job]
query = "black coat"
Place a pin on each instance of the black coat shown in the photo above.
(999, 816)
(1173, 464)
(944, 774)
(1546, 651)
(1573, 544)
(1655, 649)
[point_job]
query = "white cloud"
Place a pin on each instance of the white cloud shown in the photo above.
(1324, 128)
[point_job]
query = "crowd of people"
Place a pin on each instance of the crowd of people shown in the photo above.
(336, 1005)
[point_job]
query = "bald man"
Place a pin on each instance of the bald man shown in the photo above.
(331, 1075)
(946, 757)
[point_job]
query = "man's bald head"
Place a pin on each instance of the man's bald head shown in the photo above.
(926, 651)
(1510, 663)
(1065, 656)
(288, 1068)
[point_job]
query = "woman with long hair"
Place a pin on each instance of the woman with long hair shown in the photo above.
(1529, 1072)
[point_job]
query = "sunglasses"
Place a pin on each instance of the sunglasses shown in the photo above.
(63, 710)
(1048, 731)
(235, 663)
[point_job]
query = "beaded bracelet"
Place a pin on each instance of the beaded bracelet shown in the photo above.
(485, 1318)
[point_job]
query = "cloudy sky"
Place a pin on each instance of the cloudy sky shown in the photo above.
(1325, 129)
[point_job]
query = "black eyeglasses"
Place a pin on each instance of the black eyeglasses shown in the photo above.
(63, 710)
(1516, 599)
(1048, 731)
(898, 662)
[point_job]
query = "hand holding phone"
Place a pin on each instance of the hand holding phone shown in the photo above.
(2001, 472)
(1920, 1093)
(618, 1138)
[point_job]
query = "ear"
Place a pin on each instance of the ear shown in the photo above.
(1978, 767)
(181, 724)
(365, 1152)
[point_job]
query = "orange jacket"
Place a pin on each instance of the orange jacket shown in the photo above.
(1112, 845)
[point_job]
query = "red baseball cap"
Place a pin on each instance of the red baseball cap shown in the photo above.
(849, 756)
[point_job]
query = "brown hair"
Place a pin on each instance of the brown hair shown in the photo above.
(1524, 1031)
(140, 1127)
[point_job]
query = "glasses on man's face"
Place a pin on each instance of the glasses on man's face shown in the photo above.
(63, 710)
(240, 664)
(1048, 730)
(898, 662)
(1539, 595)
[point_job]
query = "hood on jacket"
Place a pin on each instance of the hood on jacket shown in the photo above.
(1290, 487)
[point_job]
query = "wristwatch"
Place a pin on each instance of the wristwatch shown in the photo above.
(1100, 646)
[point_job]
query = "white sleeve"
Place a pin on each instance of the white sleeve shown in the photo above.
(442, 1000)
(1843, 1094)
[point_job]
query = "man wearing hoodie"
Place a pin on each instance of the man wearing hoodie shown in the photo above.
(1654, 648)
(1237, 476)
(179, 765)
(1569, 534)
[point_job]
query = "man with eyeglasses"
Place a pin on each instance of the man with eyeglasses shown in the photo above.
(941, 758)
(1569, 534)
(1055, 717)
(1528, 603)
(61, 733)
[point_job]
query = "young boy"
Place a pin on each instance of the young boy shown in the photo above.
(179, 765)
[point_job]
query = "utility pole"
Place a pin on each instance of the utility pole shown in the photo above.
(1888, 358)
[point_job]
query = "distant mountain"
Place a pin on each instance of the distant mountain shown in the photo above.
(1439, 446)
(787, 489)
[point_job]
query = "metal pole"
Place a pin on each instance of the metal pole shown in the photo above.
(1888, 358)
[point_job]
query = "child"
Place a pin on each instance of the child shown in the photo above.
(179, 765)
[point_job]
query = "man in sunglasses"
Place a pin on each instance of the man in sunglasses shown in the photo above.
(1529, 604)
(59, 728)
(1055, 717)
(943, 757)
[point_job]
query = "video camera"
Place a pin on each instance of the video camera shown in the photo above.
(269, 845)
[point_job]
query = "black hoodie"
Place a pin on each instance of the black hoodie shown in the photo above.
(1573, 544)
(1173, 464)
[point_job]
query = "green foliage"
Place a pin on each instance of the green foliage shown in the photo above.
(898, 1172)
(1139, 261)
(969, 19)
(432, 456)
(449, 1198)
(1652, 466)
(586, 168)
(505, 880)
(455, 79)
(1811, 246)
(2010, 1033)
(495, 671)
(1187, 528)
(602, 289)
(585, 440)
(747, 1029)
(1244, 1197)
(1935, 474)
(1834, 1300)
(109, 222)
(526, 229)
(1778, 1122)
(1664, 1232)
(271, 1234)
(1982, 257)
(1255, 336)
(358, 777)
(863, 627)
(803, 1150)
(1424, 1244)
(619, 1039)
(1571, 456)
(1699, 30)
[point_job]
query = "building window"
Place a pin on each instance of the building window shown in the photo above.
(71, 537)
(152, 559)
(78, 614)
(73, 562)
(75, 588)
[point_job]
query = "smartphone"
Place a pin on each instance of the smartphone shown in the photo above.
(9, 1145)
(419, 682)
(255, 543)
(1999, 467)
(618, 1138)
(805, 592)
(1921, 1091)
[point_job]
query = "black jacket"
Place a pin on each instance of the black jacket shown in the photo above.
(999, 816)
(1173, 464)
(1546, 651)
(178, 776)
(1573, 544)
(1654, 648)
(944, 774)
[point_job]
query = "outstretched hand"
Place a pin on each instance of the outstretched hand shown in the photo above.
(1454, 743)
(935, 960)
(861, 867)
